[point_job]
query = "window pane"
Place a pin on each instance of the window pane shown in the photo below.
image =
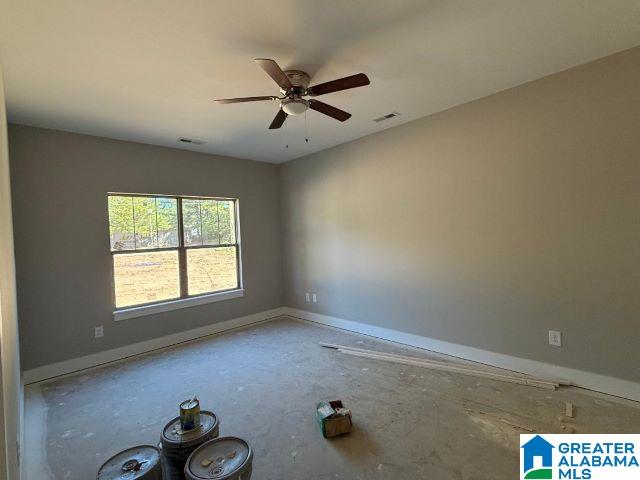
(167, 210)
(227, 221)
(209, 211)
(191, 222)
(154, 220)
(145, 277)
(211, 269)
(144, 215)
(121, 223)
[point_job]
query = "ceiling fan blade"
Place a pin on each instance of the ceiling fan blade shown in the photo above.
(244, 99)
(333, 112)
(358, 80)
(281, 116)
(275, 72)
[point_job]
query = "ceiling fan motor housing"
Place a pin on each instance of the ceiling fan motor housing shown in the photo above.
(298, 78)
(294, 104)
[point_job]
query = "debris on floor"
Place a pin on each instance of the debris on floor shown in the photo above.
(333, 418)
(568, 409)
(515, 425)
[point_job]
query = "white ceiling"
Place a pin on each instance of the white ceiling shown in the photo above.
(147, 71)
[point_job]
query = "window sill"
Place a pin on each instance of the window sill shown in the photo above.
(134, 312)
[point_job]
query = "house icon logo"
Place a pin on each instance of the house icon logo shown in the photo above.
(537, 459)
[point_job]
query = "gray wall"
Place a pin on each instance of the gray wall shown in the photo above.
(60, 182)
(486, 225)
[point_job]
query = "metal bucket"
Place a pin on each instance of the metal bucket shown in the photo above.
(224, 458)
(178, 445)
(136, 463)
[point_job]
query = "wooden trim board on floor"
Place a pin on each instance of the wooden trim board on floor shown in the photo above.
(76, 364)
(579, 378)
(462, 369)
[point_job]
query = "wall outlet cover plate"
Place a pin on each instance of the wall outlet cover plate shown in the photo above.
(555, 338)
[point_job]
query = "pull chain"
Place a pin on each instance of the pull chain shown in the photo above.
(306, 135)
(306, 131)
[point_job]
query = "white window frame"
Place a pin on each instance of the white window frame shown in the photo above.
(184, 300)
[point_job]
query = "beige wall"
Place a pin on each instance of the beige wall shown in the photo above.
(60, 184)
(486, 225)
(11, 391)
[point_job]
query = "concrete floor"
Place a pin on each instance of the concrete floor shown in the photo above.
(264, 382)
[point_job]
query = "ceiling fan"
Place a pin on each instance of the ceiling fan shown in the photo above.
(294, 85)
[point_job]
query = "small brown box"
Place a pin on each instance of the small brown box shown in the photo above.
(333, 418)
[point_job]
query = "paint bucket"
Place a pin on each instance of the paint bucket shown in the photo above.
(136, 463)
(224, 458)
(177, 444)
(190, 414)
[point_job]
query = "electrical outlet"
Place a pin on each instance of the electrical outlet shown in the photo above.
(315, 298)
(98, 332)
(307, 297)
(555, 338)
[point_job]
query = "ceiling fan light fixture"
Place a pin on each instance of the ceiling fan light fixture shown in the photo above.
(294, 106)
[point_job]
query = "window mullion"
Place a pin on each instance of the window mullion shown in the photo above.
(201, 229)
(157, 227)
(133, 217)
(182, 253)
(218, 221)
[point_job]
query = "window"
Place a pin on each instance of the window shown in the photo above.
(170, 248)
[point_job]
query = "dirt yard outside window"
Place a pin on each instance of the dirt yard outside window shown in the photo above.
(148, 277)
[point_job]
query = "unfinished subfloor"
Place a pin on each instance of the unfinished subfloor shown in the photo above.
(264, 382)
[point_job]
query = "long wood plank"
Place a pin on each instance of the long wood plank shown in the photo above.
(460, 370)
(439, 362)
(436, 365)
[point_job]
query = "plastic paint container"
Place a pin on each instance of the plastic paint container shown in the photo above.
(136, 463)
(224, 458)
(177, 444)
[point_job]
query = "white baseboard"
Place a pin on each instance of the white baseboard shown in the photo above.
(76, 364)
(579, 378)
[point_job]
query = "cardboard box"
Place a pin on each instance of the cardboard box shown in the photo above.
(333, 418)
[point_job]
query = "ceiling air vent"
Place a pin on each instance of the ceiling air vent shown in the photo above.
(193, 141)
(386, 117)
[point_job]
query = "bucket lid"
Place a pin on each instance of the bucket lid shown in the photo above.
(172, 432)
(221, 458)
(130, 464)
(189, 404)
